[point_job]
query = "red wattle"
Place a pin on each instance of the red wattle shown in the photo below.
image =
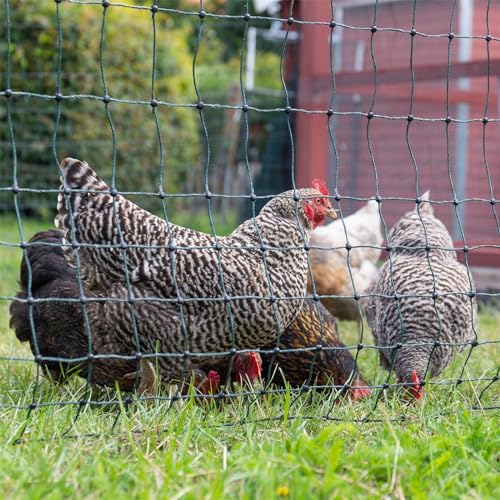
(416, 389)
(310, 214)
(255, 366)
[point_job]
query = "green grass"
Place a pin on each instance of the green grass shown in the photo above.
(441, 450)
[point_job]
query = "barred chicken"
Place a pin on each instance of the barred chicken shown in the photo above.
(168, 289)
(330, 260)
(423, 306)
(310, 352)
(59, 337)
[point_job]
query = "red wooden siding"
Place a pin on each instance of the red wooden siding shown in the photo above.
(435, 157)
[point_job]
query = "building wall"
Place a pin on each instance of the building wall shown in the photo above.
(345, 159)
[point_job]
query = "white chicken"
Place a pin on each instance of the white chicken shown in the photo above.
(330, 260)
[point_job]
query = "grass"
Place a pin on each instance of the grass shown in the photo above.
(442, 448)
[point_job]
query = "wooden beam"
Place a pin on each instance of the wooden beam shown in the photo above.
(361, 3)
(482, 257)
(422, 93)
(391, 76)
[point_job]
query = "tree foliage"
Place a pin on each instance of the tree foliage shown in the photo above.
(112, 52)
(118, 64)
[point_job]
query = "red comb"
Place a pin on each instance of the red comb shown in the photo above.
(416, 389)
(320, 185)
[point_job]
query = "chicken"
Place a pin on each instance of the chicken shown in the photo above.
(59, 327)
(330, 260)
(59, 320)
(245, 367)
(422, 307)
(168, 289)
(322, 360)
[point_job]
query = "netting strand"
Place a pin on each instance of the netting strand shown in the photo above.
(372, 128)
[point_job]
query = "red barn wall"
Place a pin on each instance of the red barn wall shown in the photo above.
(391, 137)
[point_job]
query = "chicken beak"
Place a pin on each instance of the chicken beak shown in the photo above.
(331, 213)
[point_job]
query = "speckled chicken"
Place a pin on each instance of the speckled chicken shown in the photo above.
(421, 308)
(165, 288)
(333, 364)
(330, 260)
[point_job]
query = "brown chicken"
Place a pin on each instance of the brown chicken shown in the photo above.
(324, 361)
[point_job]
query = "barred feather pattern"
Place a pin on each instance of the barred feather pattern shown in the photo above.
(178, 284)
(422, 310)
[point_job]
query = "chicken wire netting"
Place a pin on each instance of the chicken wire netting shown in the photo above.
(208, 158)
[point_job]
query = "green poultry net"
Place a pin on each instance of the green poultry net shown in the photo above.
(201, 113)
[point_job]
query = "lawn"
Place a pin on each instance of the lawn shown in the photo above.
(253, 446)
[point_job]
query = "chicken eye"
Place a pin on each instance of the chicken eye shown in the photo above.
(317, 201)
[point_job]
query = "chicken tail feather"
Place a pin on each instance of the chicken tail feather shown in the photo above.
(76, 174)
(81, 188)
